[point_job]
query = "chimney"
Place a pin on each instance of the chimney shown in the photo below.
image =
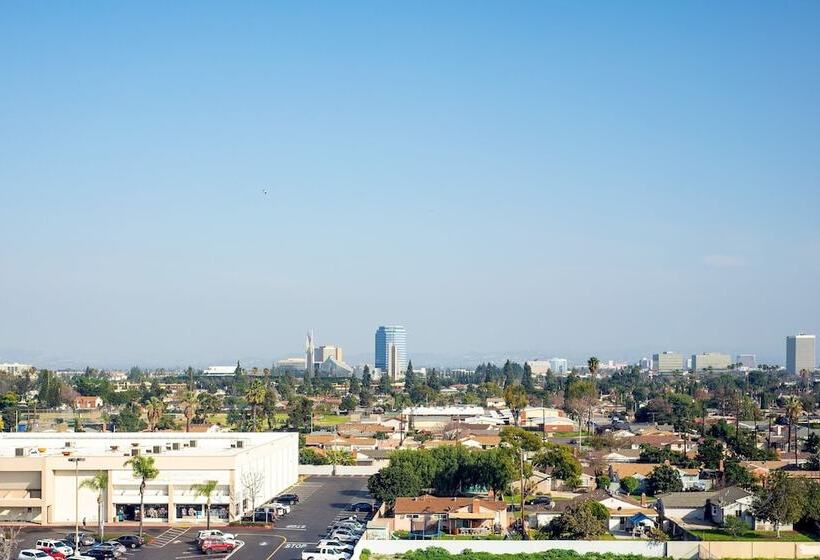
(643, 500)
(476, 506)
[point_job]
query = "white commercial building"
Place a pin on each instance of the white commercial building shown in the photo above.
(15, 368)
(40, 474)
(710, 360)
(218, 371)
(667, 362)
(559, 366)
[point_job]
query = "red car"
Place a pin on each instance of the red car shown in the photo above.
(213, 545)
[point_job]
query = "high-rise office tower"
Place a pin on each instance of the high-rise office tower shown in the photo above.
(391, 351)
(800, 353)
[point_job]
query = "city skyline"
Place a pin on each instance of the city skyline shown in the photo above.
(553, 179)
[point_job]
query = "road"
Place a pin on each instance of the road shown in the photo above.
(322, 501)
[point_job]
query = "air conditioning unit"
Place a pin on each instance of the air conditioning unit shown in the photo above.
(135, 451)
(240, 444)
(157, 449)
(70, 444)
(175, 446)
(20, 452)
(193, 443)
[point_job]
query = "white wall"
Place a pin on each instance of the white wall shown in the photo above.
(63, 508)
(645, 548)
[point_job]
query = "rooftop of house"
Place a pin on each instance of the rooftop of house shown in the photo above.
(724, 496)
(433, 504)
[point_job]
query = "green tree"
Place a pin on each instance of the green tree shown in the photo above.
(564, 464)
(516, 398)
(584, 520)
(735, 526)
(310, 456)
(519, 438)
(99, 484)
(255, 394)
(206, 490)
(665, 478)
(269, 405)
(781, 502)
(495, 468)
(630, 484)
(349, 403)
(812, 444)
(735, 474)
(710, 453)
(154, 409)
(409, 377)
(592, 365)
(384, 385)
(129, 420)
(142, 468)
(602, 481)
(189, 405)
(394, 481)
(300, 413)
(526, 379)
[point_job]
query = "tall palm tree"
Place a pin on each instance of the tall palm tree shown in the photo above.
(794, 408)
(154, 409)
(206, 490)
(143, 468)
(592, 365)
(255, 395)
(99, 484)
(189, 405)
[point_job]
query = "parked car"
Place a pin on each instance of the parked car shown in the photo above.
(100, 552)
(287, 499)
(85, 539)
(333, 543)
(365, 507)
(352, 527)
(324, 553)
(79, 557)
(33, 554)
(211, 545)
(52, 545)
(344, 535)
(106, 547)
(131, 541)
(118, 546)
(205, 533)
(280, 508)
(540, 501)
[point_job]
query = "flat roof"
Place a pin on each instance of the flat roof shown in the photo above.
(99, 444)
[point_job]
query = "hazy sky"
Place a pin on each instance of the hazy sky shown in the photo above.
(567, 178)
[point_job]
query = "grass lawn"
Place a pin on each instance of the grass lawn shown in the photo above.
(330, 419)
(721, 535)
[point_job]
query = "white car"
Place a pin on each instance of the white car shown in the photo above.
(334, 543)
(118, 546)
(79, 557)
(33, 554)
(280, 508)
(344, 536)
(325, 553)
(205, 533)
(49, 545)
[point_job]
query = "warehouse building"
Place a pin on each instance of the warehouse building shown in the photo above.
(40, 474)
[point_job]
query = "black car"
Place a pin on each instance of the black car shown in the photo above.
(100, 553)
(287, 499)
(131, 541)
(540, 501)
(361, 506)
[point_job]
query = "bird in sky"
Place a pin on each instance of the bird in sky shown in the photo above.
(265, 191)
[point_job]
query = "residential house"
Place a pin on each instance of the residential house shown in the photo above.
(698, 508)
(429, 514)
(87, 403)
(625, 513)
(481, 442)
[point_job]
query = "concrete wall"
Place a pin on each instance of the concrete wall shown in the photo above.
(341, 470)
(763, 549)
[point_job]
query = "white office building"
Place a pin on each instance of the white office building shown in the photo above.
(559, 366)
(667, 362)
(710, 360)
(41, 473)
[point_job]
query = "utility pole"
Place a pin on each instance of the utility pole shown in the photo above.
(76, 461)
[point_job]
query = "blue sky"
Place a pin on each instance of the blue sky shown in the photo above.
(537, 178)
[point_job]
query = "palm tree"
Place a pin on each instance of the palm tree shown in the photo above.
(255, 395)
(154, 410)
(206, 490)
(99, 484)
(143, 468)
(592, 365)
(794, 408)
(339, 457)
(189, 406)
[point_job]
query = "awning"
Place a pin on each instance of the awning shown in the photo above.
(472, 515)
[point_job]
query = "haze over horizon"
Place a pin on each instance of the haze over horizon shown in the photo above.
(557, 178)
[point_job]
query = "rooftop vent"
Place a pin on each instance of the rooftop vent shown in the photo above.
(192, 443)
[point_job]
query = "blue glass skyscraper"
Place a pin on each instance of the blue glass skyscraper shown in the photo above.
(391, 351)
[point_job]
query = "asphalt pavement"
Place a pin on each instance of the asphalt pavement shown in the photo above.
(322, 500)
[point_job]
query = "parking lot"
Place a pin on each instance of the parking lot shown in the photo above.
(322, 500)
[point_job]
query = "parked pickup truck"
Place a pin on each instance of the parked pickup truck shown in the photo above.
(325, 553)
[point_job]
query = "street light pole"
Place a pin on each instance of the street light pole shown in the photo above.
(76, 461)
